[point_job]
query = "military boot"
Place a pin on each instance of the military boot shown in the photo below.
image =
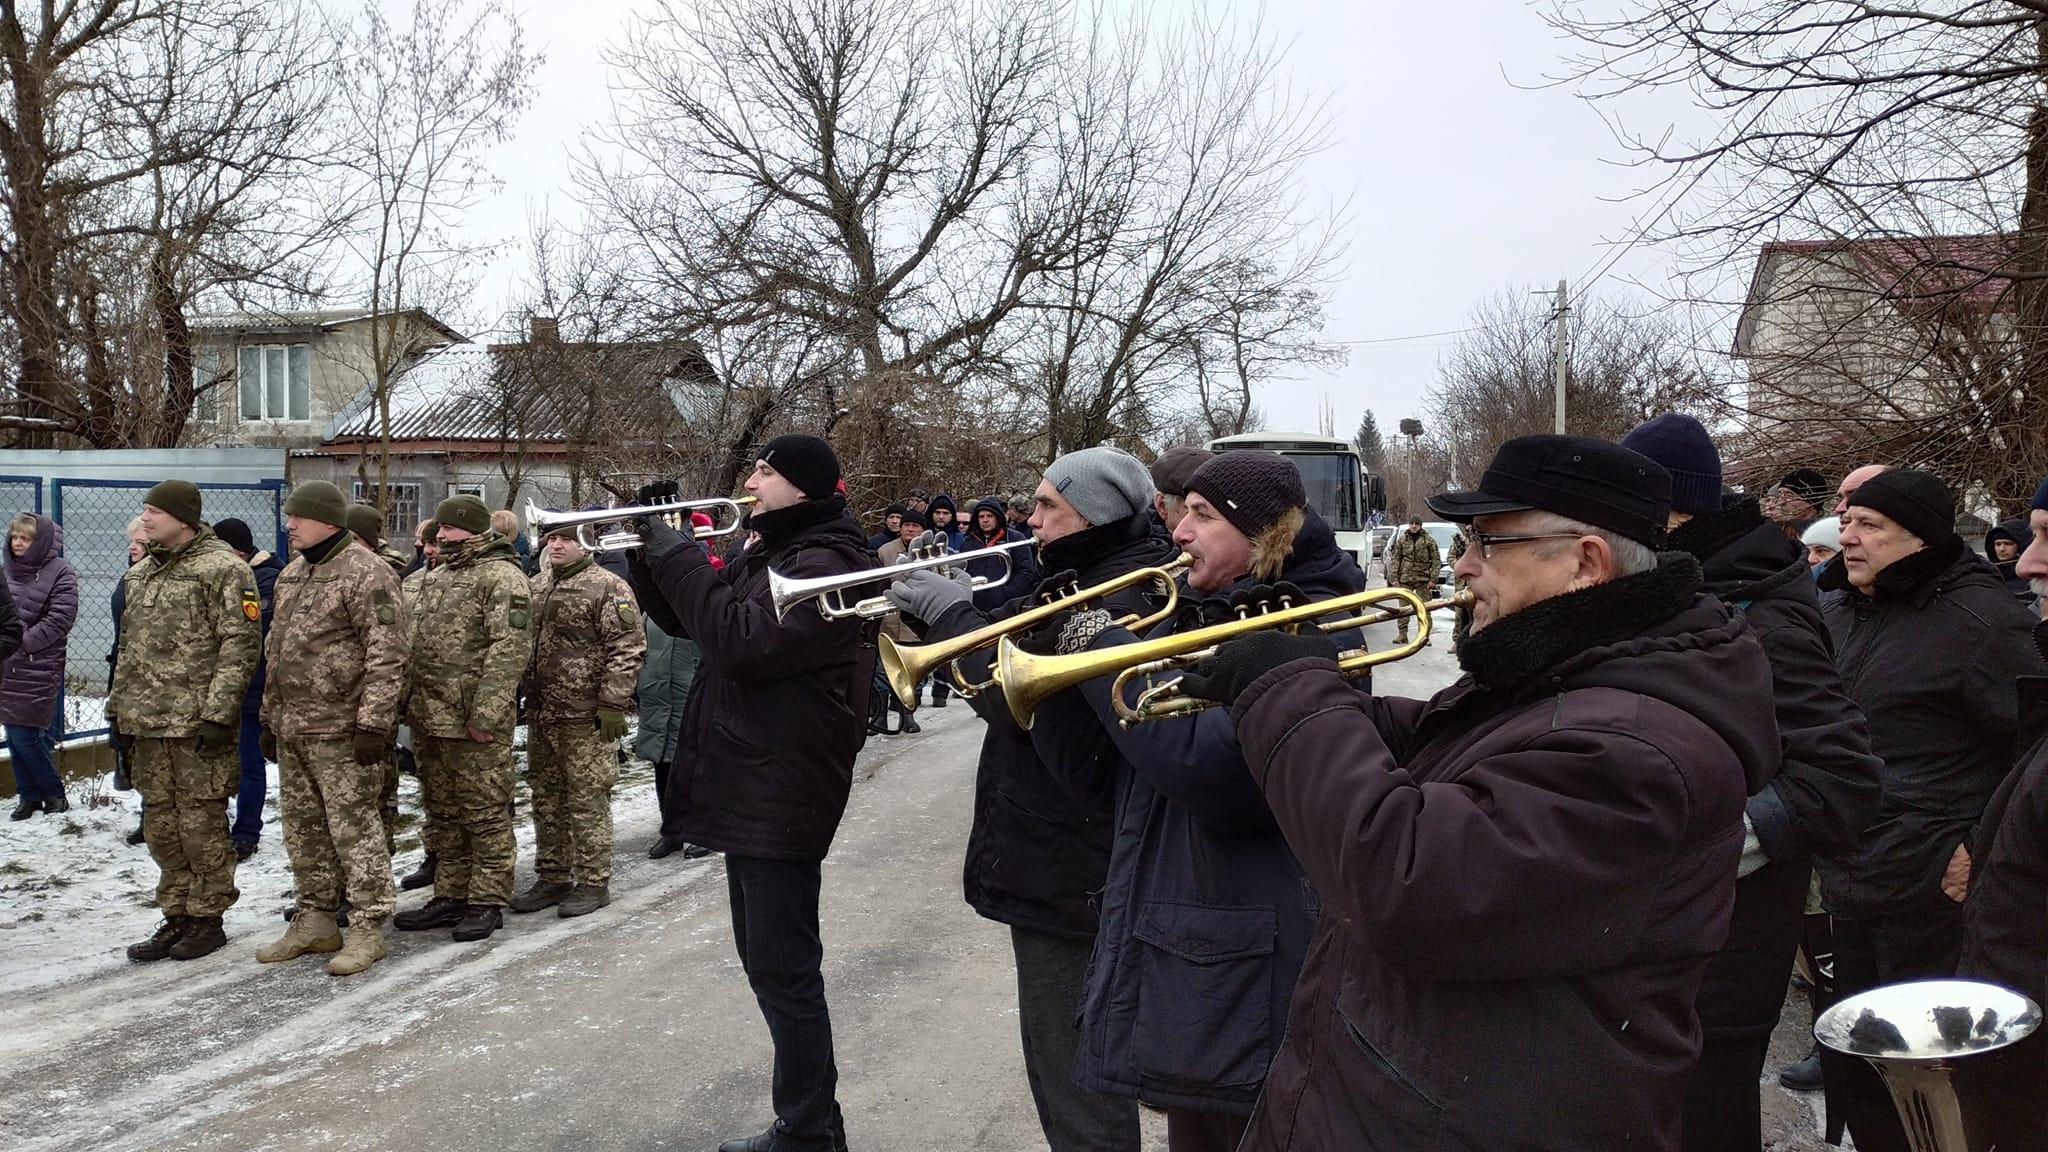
(478, 922)
(420, 877)
(439, 912)
(543, 894)
(365, 947)
(159, 946)
(584, 899)
(312, 930)
(203, 937)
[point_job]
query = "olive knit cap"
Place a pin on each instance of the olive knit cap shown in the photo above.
(464, 511)
(180, 498)
(318, 500)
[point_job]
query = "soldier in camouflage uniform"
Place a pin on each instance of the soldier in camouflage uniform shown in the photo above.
(336, 659)
(368, 526)
(472, 637)
(586, 661)
(190, 639)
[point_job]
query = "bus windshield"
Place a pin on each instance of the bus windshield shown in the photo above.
(1331, 480)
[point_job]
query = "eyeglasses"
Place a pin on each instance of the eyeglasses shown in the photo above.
(1485, 541)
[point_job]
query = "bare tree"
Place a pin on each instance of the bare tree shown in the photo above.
(1837, 121)
(424, 102)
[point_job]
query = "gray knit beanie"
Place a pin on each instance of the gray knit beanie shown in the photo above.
(1104, 484)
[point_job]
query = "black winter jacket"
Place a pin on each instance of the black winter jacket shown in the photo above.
(265, 566)
(1931, 660)
(1821, 792)
(1039, 847)
(779, 707)
(1206, 915)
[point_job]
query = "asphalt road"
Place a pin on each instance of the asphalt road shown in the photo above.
(630, 1029)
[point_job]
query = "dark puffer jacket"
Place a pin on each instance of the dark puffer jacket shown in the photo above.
(779, 708)
(1206, 916)
(1039, 847)
(44, 591)
(1821, 792)
(1024, 568)
(1931, 660)
(2020, 534)
(1522, 877)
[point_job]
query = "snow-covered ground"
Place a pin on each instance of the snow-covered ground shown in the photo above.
(74, 893)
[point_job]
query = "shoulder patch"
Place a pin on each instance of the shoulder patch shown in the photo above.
(251, 606)
(626, 613)
(518, 615)
(380, 599)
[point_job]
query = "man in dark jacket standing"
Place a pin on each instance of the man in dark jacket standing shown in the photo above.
(1818, 795)
(248, 826)
(776, 716)
(1930, 645)
(986, 529)
(1038, 851)
(1523, 877)
(2006, 938)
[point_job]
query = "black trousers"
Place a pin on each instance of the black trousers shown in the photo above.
(1050, 973)
(775, 929)
(672, 807)
(1723, 1104)
(2005, 1096)
(1921, 943)
(1191, 1131)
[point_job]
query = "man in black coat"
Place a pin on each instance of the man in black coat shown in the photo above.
(265, 565)
(1038, 851)
(1815, 800)
(1930, 645)
(764, 762)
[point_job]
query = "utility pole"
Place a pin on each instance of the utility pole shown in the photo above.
(1412, 429)
(1564, 310)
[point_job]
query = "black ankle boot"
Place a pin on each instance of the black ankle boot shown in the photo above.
(158, 946)
(24, 809)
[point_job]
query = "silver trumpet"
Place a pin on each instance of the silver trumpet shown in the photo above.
(1914, 1033)
(540, 522)
(786, 592)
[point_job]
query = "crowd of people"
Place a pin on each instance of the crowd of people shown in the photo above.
(1702, 738)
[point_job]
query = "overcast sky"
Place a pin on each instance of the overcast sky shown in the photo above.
(1462, 182)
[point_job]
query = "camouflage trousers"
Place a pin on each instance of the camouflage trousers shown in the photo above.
(571, 770)
(468, 787)
(185, 822)
(1401, 625)
(331, 828)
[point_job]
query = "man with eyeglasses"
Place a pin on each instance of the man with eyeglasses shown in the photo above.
(1524, 876)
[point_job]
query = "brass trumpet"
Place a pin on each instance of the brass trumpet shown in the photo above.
(1028, 678)
(786, 592)
(906, 665)
(540, 521)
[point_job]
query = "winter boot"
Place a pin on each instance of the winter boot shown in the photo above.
(159, 946)
(910, 726)
(23, 809)
(365, 947)
(312, 930)
(440, 912)
(137, 836)
(584, 899)
(420, 877)
(543, 894)
(1803, 1074)
(55, 804)
(203, 937)
(478, 922)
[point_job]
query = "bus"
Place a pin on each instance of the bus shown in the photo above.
(1343, 493)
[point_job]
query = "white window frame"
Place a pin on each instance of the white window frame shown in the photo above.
(405, 497)
(267, 355)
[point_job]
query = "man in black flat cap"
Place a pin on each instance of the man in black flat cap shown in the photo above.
(1523, 877)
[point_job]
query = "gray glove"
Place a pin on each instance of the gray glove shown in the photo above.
(926, 595)
(1753, 856)
(927, 543)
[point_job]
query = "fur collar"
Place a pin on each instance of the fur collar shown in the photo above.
(1510, 653)
(1272, 547)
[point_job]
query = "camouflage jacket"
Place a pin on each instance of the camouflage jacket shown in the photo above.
(472, 636)
(190, 638)
(590, 647)
(390, 556)
(1412, 559)
(337, 647)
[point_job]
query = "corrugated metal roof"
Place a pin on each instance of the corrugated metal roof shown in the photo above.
(264, 320)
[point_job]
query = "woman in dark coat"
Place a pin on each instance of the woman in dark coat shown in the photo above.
(44, 591)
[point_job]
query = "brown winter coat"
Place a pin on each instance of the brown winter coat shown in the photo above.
(1522, 878)
(590, 645)
(337, 647)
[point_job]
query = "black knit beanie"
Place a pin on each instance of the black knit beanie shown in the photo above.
(180, 498)
(235, 534)
(1918, 501)
(807, 461)
(1252, 488)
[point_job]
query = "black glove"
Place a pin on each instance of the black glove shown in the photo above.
(267, 744)
(215, 737)
(658, 538)
(1044, 640)
(1053, 587)
(1263, 598)
(371, 747)
(1224, 676)
(657, 492)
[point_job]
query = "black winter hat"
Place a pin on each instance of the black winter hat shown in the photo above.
(807, 461)
(1175, 466)
(180, 498)
(942, 500)
(1806, 484)
(1581, 478)
(1918, 501)
(913, 516)
(2040, 498)
(235, 534)
(1681, 444)
(1251, 487)
(317, 500)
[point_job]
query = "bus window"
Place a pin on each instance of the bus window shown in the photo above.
(1332, 485)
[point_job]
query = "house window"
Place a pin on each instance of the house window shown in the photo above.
(476, 490)
(404, 514)
(276, 381)
(206, 385)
